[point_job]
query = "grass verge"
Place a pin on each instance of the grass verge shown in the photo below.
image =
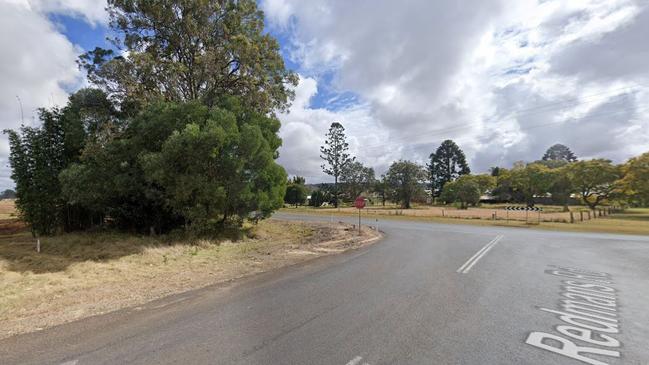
(83, 274)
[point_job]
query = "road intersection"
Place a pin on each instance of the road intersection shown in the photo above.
(428, 293)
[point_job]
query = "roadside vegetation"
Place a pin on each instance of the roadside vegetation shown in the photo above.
(628, 221)
(86, 273)
(556, 189)
(179, 135)
(160, 175)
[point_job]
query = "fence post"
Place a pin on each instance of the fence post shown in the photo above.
(572, 218)
(442, 212)
(588, 215)
(581, 215)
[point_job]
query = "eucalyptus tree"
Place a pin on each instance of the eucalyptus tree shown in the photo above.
(190, 50)
(356, 178)
(405, 180)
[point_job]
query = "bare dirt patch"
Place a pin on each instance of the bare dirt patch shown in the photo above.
(78, 275)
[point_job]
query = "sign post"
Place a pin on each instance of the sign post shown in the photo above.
(359, 203)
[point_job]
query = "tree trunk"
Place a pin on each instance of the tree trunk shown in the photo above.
(590, 205)
(336, 191)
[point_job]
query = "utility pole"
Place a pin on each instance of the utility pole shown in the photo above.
(22, 115)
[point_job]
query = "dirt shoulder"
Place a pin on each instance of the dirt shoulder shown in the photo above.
(80, 275)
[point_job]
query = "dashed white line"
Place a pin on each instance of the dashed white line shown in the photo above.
(71, 362)
(478, 255)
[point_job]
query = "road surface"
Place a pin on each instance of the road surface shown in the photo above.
(427, 293)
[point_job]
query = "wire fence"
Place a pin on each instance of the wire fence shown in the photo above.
(497, 214)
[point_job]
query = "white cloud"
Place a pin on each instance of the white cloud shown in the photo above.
(504, 79)
(303, 131)
(93, 11)
(37, 66)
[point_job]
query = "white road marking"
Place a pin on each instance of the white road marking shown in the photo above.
(478, 255)
(71, 362)
(355, 360)
(475, 255)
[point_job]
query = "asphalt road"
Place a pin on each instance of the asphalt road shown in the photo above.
(426, 294)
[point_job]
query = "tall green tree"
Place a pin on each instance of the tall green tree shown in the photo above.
(109, 179)
(336, 155)
(8, 194)
(447, 163)
(296, 192)
(467, 189)
(219, 166)
(595, 180)
(559, 153)
(561, 187)
(381, 188)
(529, 181)
(319, 197)
(636, 179)
(356, 179)
(36, 159)
(39, 154)
(405, 180)
(190, 50)
(463, 191)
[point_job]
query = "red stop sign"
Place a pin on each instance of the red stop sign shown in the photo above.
(359, 202)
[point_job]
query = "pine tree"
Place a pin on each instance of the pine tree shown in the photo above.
(334, 152)
(559, 152)
(447, 163)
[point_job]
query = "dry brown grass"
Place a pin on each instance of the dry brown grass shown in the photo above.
(631, 221)
(7, 209)
(549, 214)
(78, 275)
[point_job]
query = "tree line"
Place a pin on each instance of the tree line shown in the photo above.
(558, 177)
(177, 131)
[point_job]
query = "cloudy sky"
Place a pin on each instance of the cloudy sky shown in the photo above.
(504, 79)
